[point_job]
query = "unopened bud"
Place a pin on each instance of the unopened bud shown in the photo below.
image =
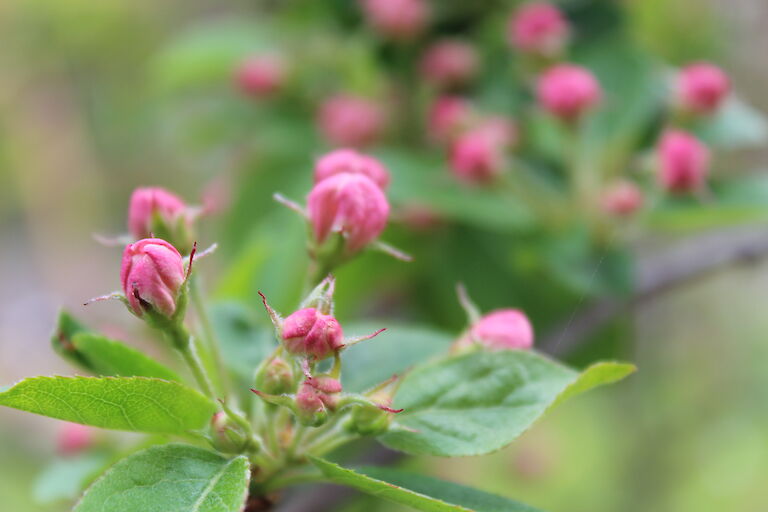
(683, 162)
(156, 212)
(448, 117)
(397, 19)
(501, 329)
(351, 205)
(701, 88)
(152, 275)
(225, 437)
(352, 121)
(260, 76)
(449, 63)
(277, 377)
(568, 91)
(74, 438)
(311, 333)
(538, 28)
(476, 158)
(310, 407)
(622, 199)
(353, 162)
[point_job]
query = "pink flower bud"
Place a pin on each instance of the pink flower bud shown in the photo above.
(701, 88)
(567, 91)
(308, 400)
(538, 28)
(74, 438)
(476, 158)
(311, 333)
(325, 384)
(448, 116)
(349, 160)
(503, 329)
(350, 204)
(683, 161)
(400, 20)
(346, 120)
(449, 63)
(152, 204)
(152, 274)
(623, 198)
(260, 75)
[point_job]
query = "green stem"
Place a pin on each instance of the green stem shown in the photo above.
(211, 342)
(182, 340)
(287, 478)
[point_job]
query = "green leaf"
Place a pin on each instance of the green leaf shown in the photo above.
(112, 358)
(391, 352)
(243, 342)
(479, 402)
(170, 478)
(121, 403)
(61, 339)
(65, 478)
(417, 491)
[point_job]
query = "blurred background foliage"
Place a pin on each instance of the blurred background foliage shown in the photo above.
(97, 98)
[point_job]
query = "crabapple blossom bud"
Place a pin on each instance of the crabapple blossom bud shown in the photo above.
(567, 91)
(74, 438)
(349, 160)
(701, 88)
(449, 63)
(399, 20)
(683, 161)
(538, 28)
(277, 377)
(152, 275)
(311, 333)
(448, 116)
(313, 402)
(226, 437)
(260, 75)
(476, 158)
(346, 120)
(154, 211)
(502, 329)
(622, 198)
(349, 204)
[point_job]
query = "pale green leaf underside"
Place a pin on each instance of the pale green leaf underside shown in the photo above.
(120, 403)
(417, 491)
(170, 478)
(479, 402)
(112, 358)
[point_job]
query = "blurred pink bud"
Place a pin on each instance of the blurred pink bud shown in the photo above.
(325, 384)
(701, 88)
(347, 120)
(683, 161)
(503, 329)
(308, 400)
(500, 130)
(567, 91)
(448, 116)
(449, 63)
(538, 28)
(476, 158)
(400, 20)
(74, 438)
(311, 333)
(622, 198)
(351, 161)
(149, 204)
(350, 204)
(152, 274)
(260, 75)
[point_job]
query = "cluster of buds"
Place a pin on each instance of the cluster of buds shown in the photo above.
(307, 337)
(347, 120)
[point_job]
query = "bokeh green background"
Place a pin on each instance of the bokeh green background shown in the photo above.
(89, 110)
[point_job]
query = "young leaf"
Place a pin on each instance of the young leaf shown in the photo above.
(170, 478)
(111, 358)
(392, 352)
(417, 491)
(479, 402)
(120, 403)
(67, 326)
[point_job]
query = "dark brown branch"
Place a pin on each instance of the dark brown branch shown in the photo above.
(657, 273)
